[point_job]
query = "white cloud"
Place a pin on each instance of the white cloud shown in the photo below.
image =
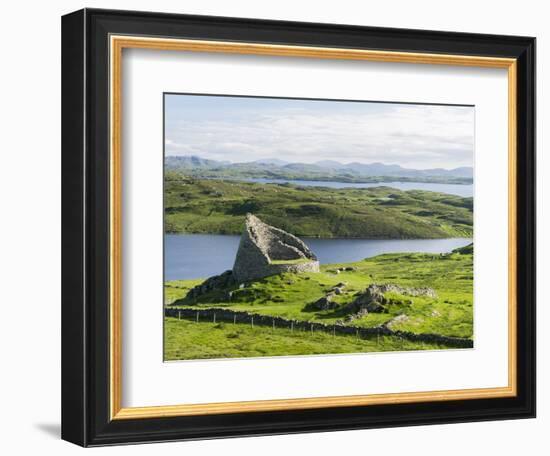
(416, 136)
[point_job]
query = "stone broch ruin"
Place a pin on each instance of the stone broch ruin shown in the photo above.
(265, 250)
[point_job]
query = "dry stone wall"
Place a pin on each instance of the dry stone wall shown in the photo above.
(232, 316)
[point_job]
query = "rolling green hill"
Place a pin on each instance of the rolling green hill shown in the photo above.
(218, 207)
(449, 313)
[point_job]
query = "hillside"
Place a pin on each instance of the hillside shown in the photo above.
(327, 170)
(448, 313)
(218, 207)
(187, 340)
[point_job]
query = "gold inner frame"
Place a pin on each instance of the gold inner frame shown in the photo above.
(117, 44)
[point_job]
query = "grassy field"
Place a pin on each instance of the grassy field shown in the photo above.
(188, 340)
(219, 206)
(287, 295)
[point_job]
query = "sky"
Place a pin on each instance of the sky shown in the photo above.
(243, 129)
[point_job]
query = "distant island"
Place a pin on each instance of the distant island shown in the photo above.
(325, 171)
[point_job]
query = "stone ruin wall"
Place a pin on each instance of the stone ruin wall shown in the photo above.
(261, 243)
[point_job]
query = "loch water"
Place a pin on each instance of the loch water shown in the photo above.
(463, 190)
(194, 256)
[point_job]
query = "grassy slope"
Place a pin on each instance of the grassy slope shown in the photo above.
(214, 206)
(286, 295)
(188, 340)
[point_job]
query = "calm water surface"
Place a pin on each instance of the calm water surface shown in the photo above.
(464, 190)
(194, 256)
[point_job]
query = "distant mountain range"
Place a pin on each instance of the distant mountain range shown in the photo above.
(326, 170)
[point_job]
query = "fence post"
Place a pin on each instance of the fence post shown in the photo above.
(179, 314)
(252, 321)
(273, 323)
(197, 316)
(235, 319)
(292, 326)
(214, 321)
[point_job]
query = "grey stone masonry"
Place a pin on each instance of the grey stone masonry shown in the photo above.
(373, 299)
(265, 250)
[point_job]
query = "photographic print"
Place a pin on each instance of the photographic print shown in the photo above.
(300, 227)
(255, 200)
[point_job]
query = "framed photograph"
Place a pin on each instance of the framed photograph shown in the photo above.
(278, 227)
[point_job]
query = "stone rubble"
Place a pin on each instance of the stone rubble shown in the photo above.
(373, 299)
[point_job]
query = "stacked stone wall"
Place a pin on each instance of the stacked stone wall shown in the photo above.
(232, 316)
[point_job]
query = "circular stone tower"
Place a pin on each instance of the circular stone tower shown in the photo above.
(265, 250)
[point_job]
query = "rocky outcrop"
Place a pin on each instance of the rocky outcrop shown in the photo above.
(373, 299)
(323, 303)
(394, 322)
(217, 282)
(466, 250)
(326, 302)
(265, 250)
(408, 291)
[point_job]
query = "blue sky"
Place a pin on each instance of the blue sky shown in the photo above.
(241, 129)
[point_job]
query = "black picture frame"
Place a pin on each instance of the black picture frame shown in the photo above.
(85, 224)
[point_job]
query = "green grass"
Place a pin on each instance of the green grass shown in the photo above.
(219, 206)
(176, 289)
(188, 340)
(286, 295)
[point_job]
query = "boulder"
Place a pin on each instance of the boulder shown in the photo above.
(373, 299)
(324, 303)
(217, 282)
(402, 318)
